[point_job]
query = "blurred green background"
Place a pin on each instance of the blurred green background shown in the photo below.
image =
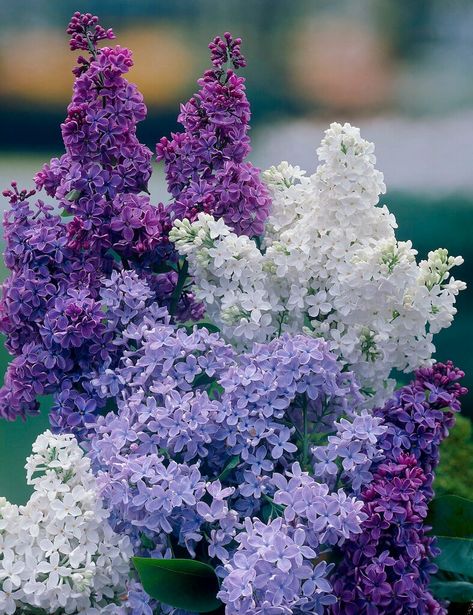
(400, 69)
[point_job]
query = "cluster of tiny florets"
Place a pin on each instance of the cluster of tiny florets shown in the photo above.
(59, 551)
(328, 265)
(220, 366)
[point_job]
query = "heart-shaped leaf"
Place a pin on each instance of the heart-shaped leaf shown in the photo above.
(456, 555)
(454, 591)
(181, 583)
(451, 515)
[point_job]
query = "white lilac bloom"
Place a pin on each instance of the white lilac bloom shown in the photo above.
(329, 265)
(58, 553)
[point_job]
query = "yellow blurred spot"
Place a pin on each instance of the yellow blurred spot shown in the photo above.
(35, 66)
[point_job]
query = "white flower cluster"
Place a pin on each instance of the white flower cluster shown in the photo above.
(329, 265)
(58, 553)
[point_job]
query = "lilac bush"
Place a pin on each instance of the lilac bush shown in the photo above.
(264, 461)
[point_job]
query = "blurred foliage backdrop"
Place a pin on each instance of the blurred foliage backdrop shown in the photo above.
(401, 69)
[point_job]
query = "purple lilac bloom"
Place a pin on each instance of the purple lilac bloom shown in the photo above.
(105, 167)
(205, 165)
(387, 569)
(50, 309)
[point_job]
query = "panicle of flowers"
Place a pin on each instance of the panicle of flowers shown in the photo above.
(202, 435)
(419, 416)
(329, 265)
(350, 453)
(205, 165)
(105, 167)
(49, 308)
(58, 552)
(388, 568)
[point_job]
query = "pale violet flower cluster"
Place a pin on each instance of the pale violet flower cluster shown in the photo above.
(58, 553)
(329, 265)
(272, 572)
(205, 440)
(351, 451)
(273, 566)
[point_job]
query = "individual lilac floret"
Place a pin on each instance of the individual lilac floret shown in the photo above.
(205, 167)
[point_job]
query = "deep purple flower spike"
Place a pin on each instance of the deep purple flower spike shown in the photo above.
(205, 164)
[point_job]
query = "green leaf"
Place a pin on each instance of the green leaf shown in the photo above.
(116, 257)
(454, 591)
(215, 390)
(73, 195)
(451, 515)
(164, 267)
(203, 379)
(211, 328)
(456, 555)
(146, 542)
(182, 583)
(230, 465)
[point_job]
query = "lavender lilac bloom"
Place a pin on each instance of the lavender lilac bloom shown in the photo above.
(208, 447)
(387, 569)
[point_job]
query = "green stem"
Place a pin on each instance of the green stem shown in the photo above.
(181, 280)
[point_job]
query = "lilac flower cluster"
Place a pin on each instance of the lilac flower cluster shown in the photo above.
(420, 415)
(205, 167)
(387, 569)
(272, 572)
(203, 439)
(104, 168)
(349, 454)
(49, 311)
